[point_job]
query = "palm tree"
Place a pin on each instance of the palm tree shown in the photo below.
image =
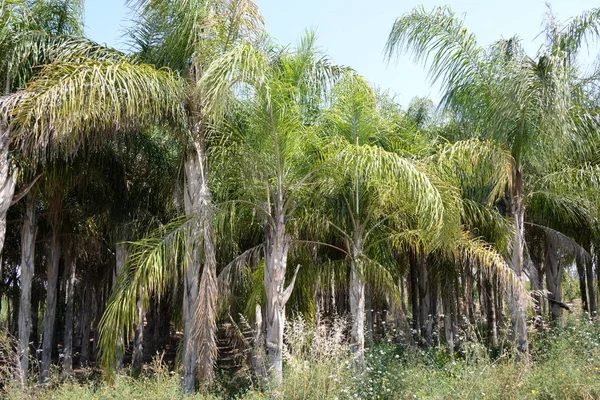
(374, 189)
(134, 95)
(35, 33)
(274, 143)
(212, 48)
(522, 104)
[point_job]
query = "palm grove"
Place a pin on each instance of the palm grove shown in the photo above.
(212, 178)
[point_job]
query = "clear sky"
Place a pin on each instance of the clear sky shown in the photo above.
(354, 32)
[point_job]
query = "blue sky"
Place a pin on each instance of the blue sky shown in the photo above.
(354, 32)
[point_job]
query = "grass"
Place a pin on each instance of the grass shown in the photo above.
(564, 364)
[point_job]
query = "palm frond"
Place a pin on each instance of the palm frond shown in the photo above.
(154, 264)
(239, 269)
(70, 103)
(477, 167)
(456, 58)
(384, 169)
(489, 261)
(242, 64)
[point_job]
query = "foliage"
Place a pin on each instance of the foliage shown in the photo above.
(318, 366)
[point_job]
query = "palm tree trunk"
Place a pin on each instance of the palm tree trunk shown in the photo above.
(102, 295)
(403, 299)
(190, 343)
(357, 310)
(137, 358)
(51, 297)
(206, 312)
(492, 326)
(433, 311)
(28, 235)
(200, 298)
(369, 315)
(414, 296)
(517, 301)
(7, 184)
(16, 297)
(553, 277)
(257, 359)
(36, 295)
(450, 329)
(425, 301)
(121, 255)
(468, 303)
(536, 280)
(581, 273)
(152, 336)
(593, 307)
(398, 310)
(483, 296)
(595, 261)
(70, 267)
(277, 243)
(274, 277)
(87, 301)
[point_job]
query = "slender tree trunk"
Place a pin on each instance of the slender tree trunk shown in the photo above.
(357, 277)
(51, 297)
(536, 286)
(553, 277)
(357, 310)
(468, 302)
(492, 327)
(121, 255)
(450, 329)
(34, 336)
(206, 313)
(414, 297)
(70, 267)
(456, 317)
(151, 338)
(357, 298)
(78, 318)
(7, 184)
(59, 322)
(369, 315)
(277, 243)
(28, 235)
(483, 296)
(137, 358)
(200, 297)
(190, 303)
(403, 328)
(517, 301)
(425, 301)
(581, 273)
(589, 269)
(595, 261)
(100, 301)
(15, 312)
(498, 302)
(403, 295)
(257, 359)
(87, 305)
(433, 311)
(157, 329)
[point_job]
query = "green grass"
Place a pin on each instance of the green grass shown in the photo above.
(564, 364)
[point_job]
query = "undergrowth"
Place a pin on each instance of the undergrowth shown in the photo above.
(564, 364)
